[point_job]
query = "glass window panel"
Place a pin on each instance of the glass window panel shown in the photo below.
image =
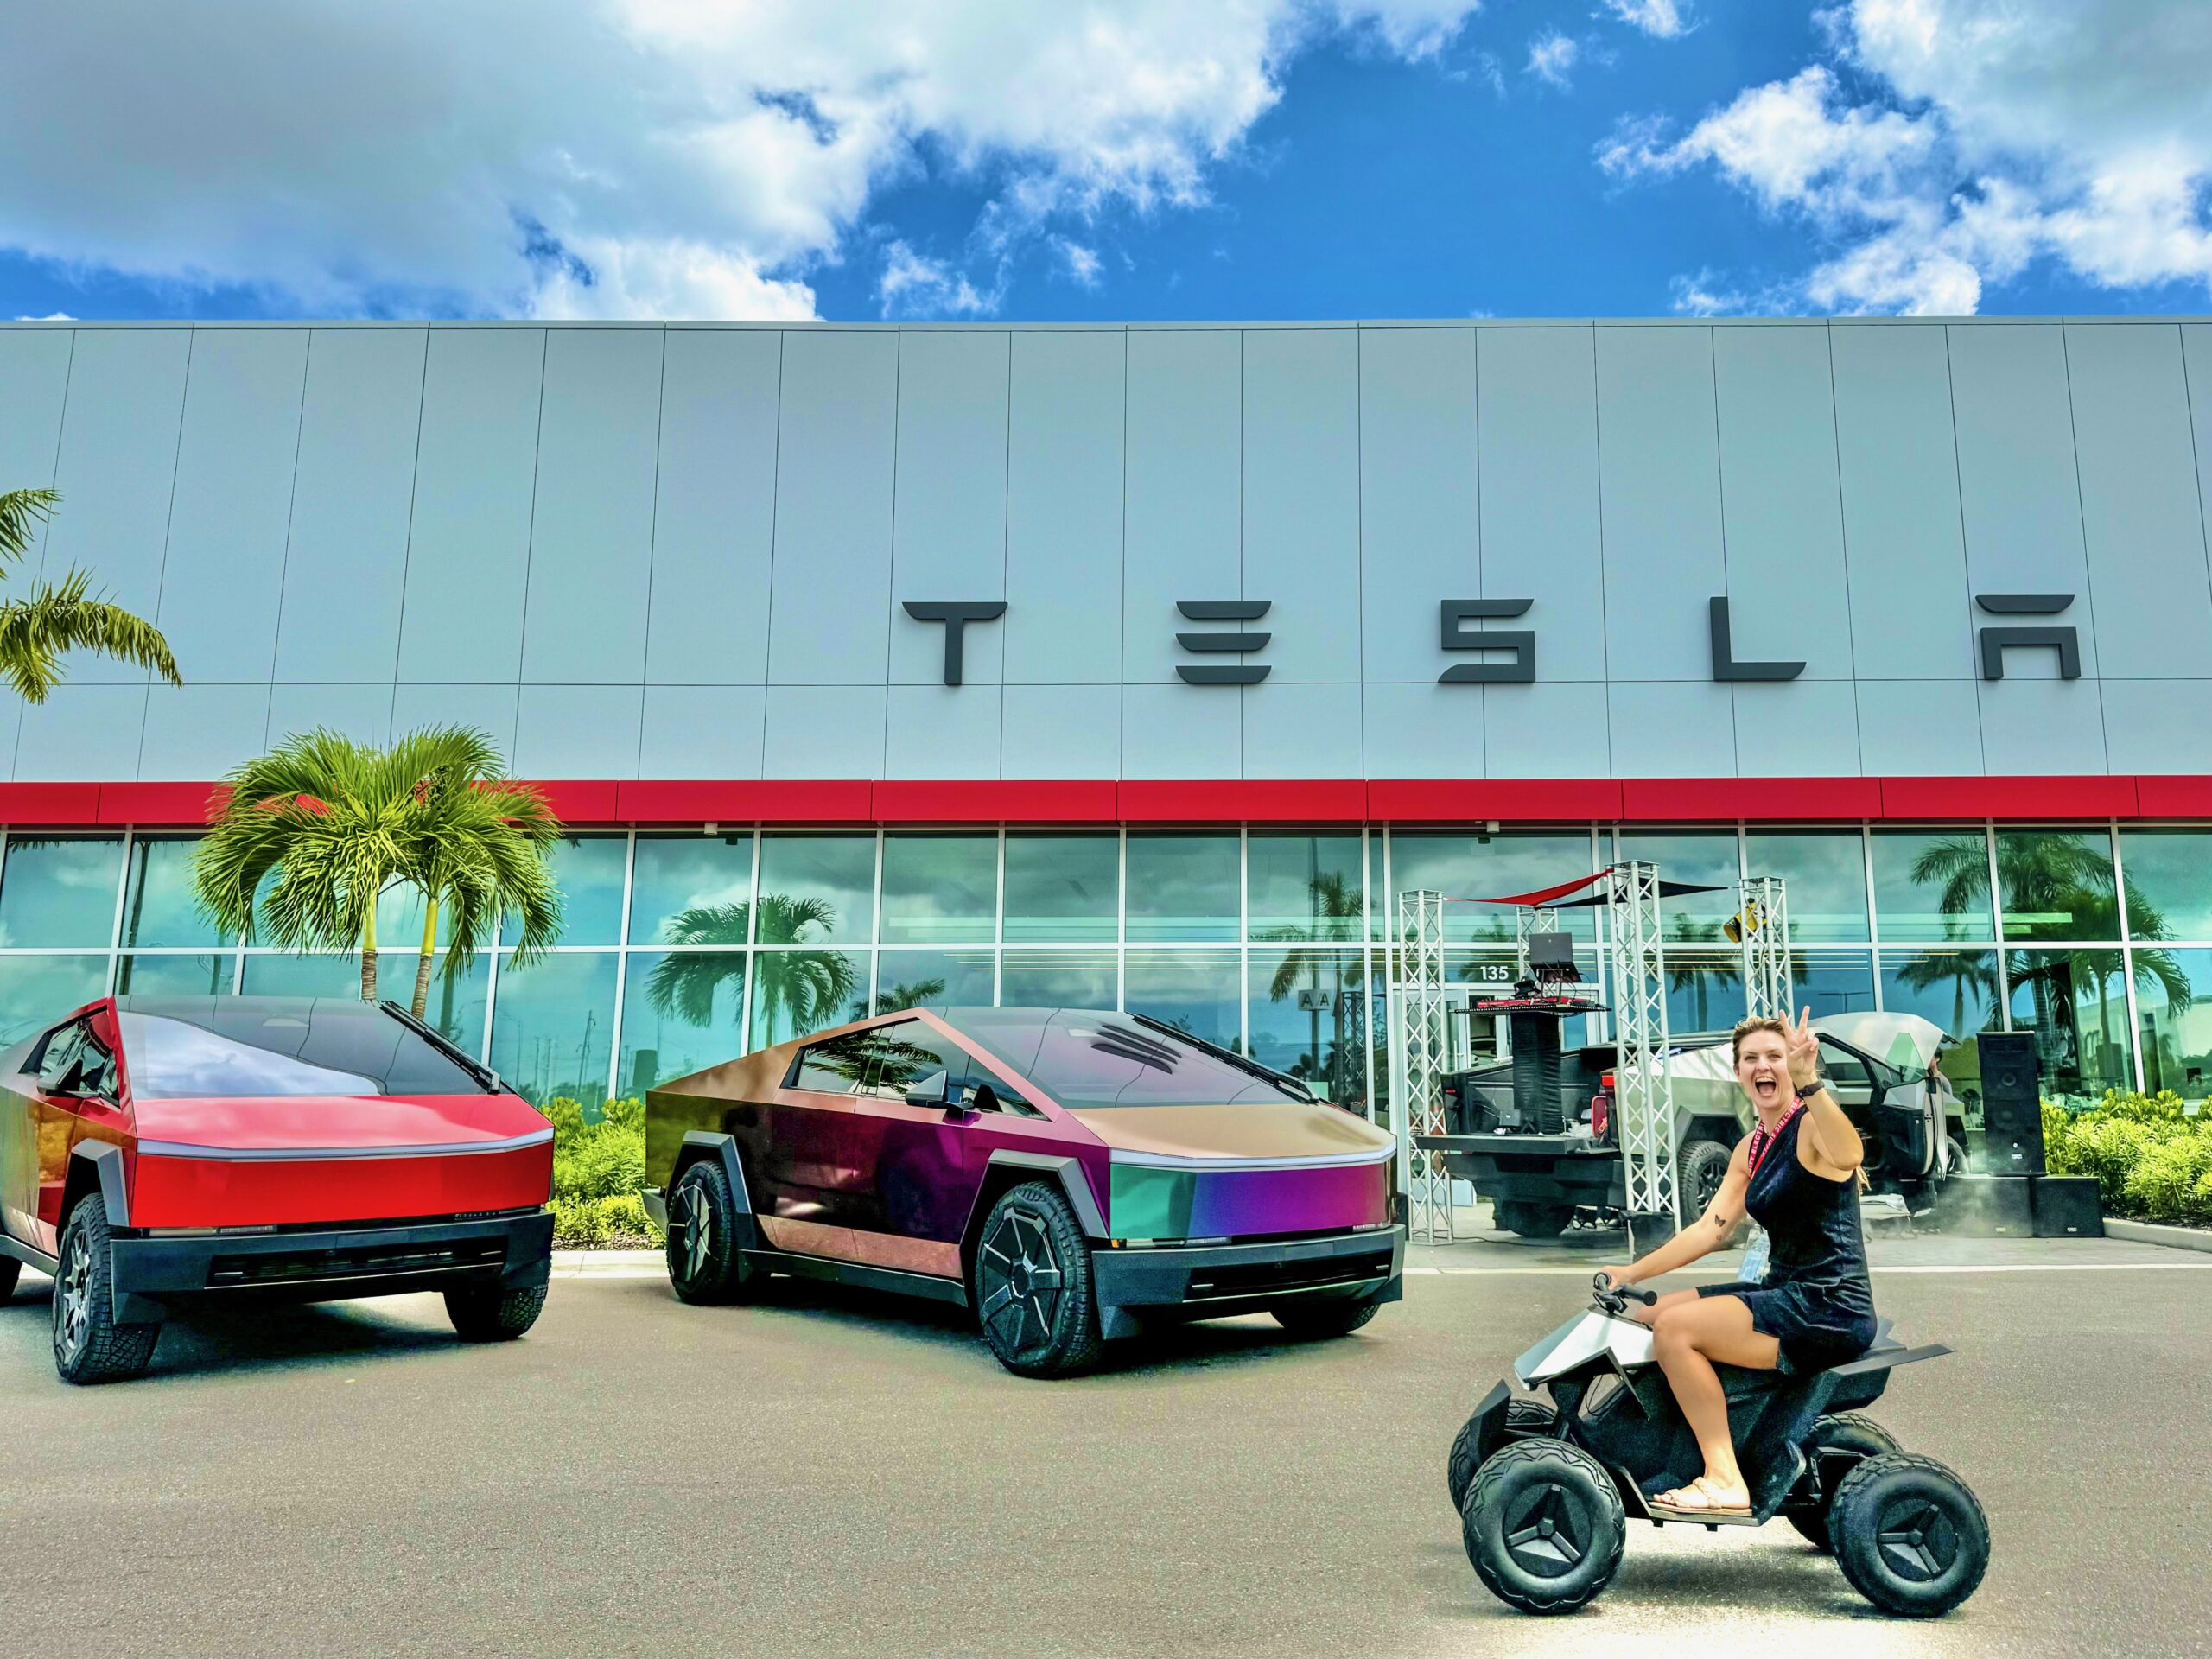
(1057, 979)
(1826, 873)
(587, 869)
(681, 1012)
(1305, 888)
(59, 890)
(286, 973)
(551, 1027)
(1194, 990)
(2173, 1001)
(1487, 867)
(932, 979)
(2169, 875)
(454, 1006)
(692, 889)
(238, 1046)
(1308, 1011)
(2076, 1005)
(37, 991)
(1705, 989)
(1063, 889)
(816, 890)
(1706, 857)
(2058, 884)
(208, 975)
(1932, 886)
(1957, 990)
(1830, 982)
(1183, 887)
(158, 907)
(798, 992)
(884, 1063)
(940, 889)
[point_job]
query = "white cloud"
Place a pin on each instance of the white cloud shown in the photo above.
(1551, 58)
(1661, 18)
(914, 285)
(1082, 264)
(606, 157)
(51, 316)
(1989, 134)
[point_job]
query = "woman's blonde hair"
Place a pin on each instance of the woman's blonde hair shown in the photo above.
(1757, 1022)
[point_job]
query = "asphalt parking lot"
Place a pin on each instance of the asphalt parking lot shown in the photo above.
(836, 1474)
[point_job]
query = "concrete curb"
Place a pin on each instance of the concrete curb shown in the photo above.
(2151, 1232)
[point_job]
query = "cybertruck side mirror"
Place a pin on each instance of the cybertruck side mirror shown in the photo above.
(934, 1090)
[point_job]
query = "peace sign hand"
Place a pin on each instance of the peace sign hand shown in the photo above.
(1803, 1043)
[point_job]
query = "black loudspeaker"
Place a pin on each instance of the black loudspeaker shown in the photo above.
(1985, 1206)
(2066, 1206)
(2011, 1103)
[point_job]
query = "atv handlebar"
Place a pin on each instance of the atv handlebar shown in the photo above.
(1611, 1299)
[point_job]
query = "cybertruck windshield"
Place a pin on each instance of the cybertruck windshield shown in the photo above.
(1084, 1058)
(197, 1048)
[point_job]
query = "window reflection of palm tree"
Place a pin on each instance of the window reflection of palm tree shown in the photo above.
(1337, 917)
(2050, 874)
(918, 995)
(796, 991)
(1701, 973)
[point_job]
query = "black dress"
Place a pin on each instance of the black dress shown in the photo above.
(1816, 1301)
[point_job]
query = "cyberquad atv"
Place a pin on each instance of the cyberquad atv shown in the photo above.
(1544, 1492)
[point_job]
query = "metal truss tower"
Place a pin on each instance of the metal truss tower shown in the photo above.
(1644, 1087)
(1420, 1053)
(1762, 928)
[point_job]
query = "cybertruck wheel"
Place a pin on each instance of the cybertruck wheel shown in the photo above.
(1321, 1320)
(1034, 1298)
(1525, 1420)
(1838, 1443)
(488, 1313)
(1909, 1534)
(89, 1346)
(704, 1263)
(1543, 1525)
(1533, 1220)
(1699, 1170)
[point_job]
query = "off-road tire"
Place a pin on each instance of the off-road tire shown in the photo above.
(1543, 1525)
(1317, 1320)
(1525, 1420)
(1841, 1431)
(1909, 1534)
(1034, 1295)
(10, 1271)
(705, 1265)
(1699, 1170)
(89, 1346)
(1530, 1219)
(488, 1314)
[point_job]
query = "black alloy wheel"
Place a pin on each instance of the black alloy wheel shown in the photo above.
(705, 1265)
(1909, 1534)
(1543, 1526)
(1699, 1170)
(1034, 1298)
(1525, 1420)
(89, 1346)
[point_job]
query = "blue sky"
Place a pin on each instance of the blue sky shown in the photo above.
(1272, 159)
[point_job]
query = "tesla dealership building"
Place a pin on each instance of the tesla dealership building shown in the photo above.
(1144, 665)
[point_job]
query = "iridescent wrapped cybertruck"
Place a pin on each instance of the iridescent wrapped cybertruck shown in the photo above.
(1066, 1174)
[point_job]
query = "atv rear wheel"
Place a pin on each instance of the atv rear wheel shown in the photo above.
(1909, 1534)
(1525, 1420)
(1838, 1443)
(1543, 1525)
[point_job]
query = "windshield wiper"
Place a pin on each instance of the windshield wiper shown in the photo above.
(1250, 1068)
(487, 1079)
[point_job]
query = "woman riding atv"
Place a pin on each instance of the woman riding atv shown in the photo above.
(1797, 1173)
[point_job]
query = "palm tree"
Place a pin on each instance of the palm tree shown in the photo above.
(1338, 916)
(896, 997)
(799, 987)
(1700, 971)
(328, 826)
(1963, 971)
(65, 615)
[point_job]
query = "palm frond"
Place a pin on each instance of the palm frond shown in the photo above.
(21, 512)
(64, 616)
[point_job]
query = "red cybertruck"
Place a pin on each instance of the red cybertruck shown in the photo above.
(1067, 1174)
(155, 1150)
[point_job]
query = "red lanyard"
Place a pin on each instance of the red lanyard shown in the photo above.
(1761, 1140)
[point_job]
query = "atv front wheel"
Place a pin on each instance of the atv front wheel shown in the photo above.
(1543, 1526)
(1525, 1420)
(1838, 1443)
(1909, 1534)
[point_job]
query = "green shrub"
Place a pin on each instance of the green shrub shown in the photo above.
(599, 1171)
(2149, 1157)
